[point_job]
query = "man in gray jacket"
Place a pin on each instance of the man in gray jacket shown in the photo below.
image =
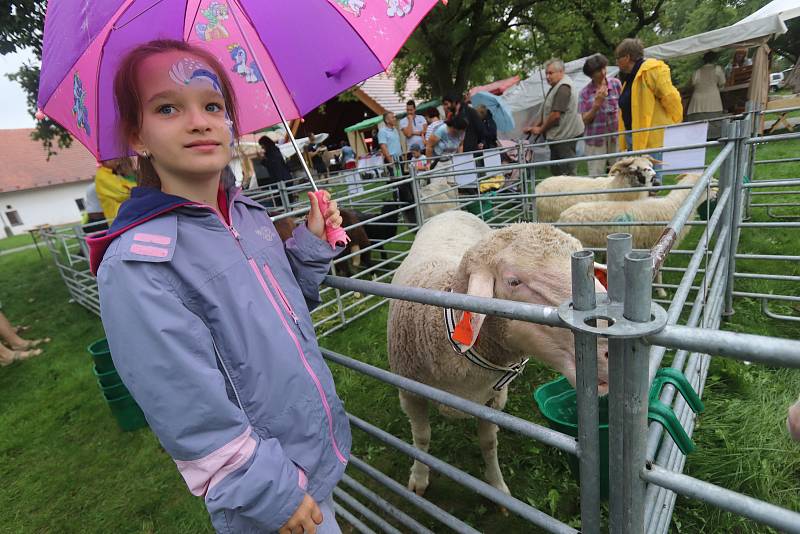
(559, 120)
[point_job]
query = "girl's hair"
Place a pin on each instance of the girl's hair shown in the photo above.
(129, 101)
(459, 123)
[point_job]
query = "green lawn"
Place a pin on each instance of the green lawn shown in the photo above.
(15, 241)
(65, 467)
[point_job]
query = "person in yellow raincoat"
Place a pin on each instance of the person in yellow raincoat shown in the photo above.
(648, 98)
(113, 183)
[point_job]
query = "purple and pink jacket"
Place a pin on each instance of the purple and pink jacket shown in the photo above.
(209, 328)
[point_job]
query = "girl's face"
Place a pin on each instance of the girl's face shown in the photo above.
(184, 122)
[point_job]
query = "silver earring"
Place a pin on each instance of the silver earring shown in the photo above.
(145, 154)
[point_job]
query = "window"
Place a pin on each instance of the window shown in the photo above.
(79, 202)
(14, 218)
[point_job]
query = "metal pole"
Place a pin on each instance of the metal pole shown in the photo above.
(736, 211)
(584, 299)
(619, 245)
(638, 278)
(415, 192)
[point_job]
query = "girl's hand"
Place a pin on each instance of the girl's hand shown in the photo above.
(317, 221)
(304, 520)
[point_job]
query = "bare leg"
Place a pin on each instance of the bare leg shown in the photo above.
(416, 409)
(487, 438)
(9, 334)
(8, 356)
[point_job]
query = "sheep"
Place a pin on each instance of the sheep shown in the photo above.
(456, 251)
(380, 228)
(629, 172)
(358, 241)
(650, 209)
(793, 421)
(438, 190)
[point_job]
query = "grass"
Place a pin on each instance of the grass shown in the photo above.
(67, 468)
(15, 241)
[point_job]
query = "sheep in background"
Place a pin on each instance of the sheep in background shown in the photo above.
(630, 172)
(649, 209)
(456, 251)
(438, 190)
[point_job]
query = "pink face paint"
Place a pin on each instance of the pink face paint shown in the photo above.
(186, 71)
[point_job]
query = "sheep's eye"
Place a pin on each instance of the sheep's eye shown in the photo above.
(513, 282)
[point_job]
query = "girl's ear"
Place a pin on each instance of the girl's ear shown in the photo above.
(136, 144)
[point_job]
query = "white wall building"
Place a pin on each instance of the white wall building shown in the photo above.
(34, 190)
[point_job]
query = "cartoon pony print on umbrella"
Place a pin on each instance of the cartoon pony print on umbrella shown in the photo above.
(79, 110)
(394, 8)
(251, 72)
(215, 13)
(352, 6)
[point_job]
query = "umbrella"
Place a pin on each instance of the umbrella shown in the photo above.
(287, 57)
(500, 112)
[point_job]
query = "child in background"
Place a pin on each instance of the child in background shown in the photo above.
(418, 161)
(247, 409)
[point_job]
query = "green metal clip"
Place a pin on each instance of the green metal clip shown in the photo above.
(660, 412)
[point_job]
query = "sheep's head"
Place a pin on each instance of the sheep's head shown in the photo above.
(636, 170)
(530, 263)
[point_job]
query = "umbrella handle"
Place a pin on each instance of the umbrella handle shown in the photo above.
(333, 236)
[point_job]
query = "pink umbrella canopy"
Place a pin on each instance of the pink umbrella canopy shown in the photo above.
(305, 51)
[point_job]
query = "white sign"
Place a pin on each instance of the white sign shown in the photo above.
(464, 170)
(693, 160)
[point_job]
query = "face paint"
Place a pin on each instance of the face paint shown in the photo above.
(187, 71)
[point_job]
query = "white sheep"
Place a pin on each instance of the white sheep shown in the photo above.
(437, 191)
(652, 209)
(456, 251)
(629, 172)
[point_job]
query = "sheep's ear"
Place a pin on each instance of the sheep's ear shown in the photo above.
(620, 165)
(654, 161)
(481, 284)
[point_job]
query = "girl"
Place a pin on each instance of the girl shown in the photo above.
(207, 311)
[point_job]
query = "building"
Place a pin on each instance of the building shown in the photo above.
(36, 191)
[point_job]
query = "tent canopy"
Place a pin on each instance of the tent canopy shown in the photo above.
(366, 124)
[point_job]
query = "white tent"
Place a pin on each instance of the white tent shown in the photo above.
(525, 98)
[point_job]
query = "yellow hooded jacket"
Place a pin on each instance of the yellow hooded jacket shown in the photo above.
(654, 102)
(112, 190)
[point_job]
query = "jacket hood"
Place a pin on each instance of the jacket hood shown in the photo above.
(145, 203)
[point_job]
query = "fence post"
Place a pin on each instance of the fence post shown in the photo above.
(584, 299)
(415, 191)
(284, 195)
(740, 163)
(523, 181)
(638, 290)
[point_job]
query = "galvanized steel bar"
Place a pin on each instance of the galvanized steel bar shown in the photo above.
(387, 507)
(350, 518)
(583, 299)
(365, 512)
(619, 245)
(762, 349)
(537, 517)
(757, 510)
(638, 281)
(501, 308)
(509, 422)
(424, 505)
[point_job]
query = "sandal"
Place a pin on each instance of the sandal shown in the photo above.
(31, 343)
(19, 355)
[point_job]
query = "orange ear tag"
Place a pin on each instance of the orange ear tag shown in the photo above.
(463, 332)
(602, 277)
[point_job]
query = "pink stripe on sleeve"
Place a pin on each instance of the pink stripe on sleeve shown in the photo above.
(203, 474)
(144, 250)
(302, 479)
(152, 238)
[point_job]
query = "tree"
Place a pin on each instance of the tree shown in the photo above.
(22, 27)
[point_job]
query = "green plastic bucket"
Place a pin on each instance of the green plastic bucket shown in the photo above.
(484, 207)
(101, 356)
(127, 413)
(558, 404)
(117, 391)
(108, 379)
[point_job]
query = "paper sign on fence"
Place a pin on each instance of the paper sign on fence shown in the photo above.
(464, 170)
(686, 160)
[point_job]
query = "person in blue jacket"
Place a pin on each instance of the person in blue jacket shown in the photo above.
(206, 310)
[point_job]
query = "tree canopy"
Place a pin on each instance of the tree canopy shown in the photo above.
(471, 42)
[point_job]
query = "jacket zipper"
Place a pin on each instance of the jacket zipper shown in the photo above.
(286, 304)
